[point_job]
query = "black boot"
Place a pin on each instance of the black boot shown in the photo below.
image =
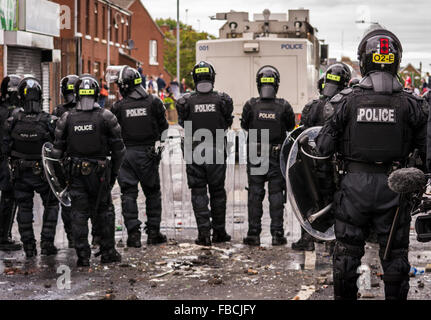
(110, 256)
(48, 248)
(306, 243)
(155, 237)
(252, 240)
(30, 250)
(9, 244)
(278, 239)
(134, 239)
(220, 236)
(204, 239)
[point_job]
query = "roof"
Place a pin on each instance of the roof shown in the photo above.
(125, 4)
(411, 68)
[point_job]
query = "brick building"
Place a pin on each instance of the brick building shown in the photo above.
(134, 38)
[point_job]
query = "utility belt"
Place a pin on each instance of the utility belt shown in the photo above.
(85, 167)
(274, 149)
(370, 167)
(20, 164)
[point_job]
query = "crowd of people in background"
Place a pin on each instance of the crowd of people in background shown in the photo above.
(169, 93)
(425, 84)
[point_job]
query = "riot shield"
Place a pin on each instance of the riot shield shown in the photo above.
(303, 191)
(287, 145)
(56, 175)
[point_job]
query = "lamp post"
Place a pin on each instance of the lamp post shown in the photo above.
(178, 40)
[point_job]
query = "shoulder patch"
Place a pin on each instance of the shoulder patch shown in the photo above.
(346, 91)
(328, 110)
(337, 98)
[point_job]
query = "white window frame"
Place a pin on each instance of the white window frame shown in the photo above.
(153, 53)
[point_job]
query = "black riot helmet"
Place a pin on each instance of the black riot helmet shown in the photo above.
(337, 78)
(203, 77)
(67, 87)
(87, 91)
(379, 50)
(30, 95)
(321, 84)
(130, 83)
(268, 81)
(9, 89)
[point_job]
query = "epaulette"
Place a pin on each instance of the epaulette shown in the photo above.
(183, 99)
(338, 97)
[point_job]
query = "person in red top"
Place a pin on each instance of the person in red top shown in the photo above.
(103, 93)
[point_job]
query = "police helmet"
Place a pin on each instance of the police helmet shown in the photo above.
(379, 50)
(67, 87)
(321, 84)
(268, 81)
(9, 89)
(203, 77)
(337, 78)
(30, 94)
(130, 83)
(87, 91)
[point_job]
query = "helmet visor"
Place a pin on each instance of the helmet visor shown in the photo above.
(268, 92)
(113, 73)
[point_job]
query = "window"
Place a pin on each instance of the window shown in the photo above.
(153, 52)
(96, 15)
(87, 17)
(103, 22)
(78, 8)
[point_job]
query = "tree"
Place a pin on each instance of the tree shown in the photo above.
(188, 39)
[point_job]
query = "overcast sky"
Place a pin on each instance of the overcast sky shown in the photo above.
(410, 20)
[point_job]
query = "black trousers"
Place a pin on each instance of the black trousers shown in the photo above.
(256, 194)
(139, 167)
(363, 203)
(25, 184)
(7, 202)
(86, 192)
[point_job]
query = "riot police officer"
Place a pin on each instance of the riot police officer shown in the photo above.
(267, 112)
(336, 78)
(9, 101)
(374, 128)
(88, 135)
(25, 133)
(142, 120)
(67, 88)
(206, 110)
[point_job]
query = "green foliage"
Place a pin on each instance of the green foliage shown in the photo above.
(188, 39)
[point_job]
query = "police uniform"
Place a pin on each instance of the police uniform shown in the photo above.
(142, 122)
(25, 133)
(372, 131)
(211, 111)
(277, 116)
(87, 135)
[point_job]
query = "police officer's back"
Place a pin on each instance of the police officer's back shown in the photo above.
(212, 111)
(88, 135)
(335, 79)
(376, 125)
(26, 132)
(267, 112)
(67, 88)
(142, 120)
(9, 101)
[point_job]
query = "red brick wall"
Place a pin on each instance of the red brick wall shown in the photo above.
(145, 29)
(141, 29)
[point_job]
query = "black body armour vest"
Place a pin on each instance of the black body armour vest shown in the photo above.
(205, 112)
(138, 126)
(86, 135)
(377, 128)
(29, 134)
(267, 114)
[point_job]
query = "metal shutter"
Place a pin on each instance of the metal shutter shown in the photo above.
(23, 61)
